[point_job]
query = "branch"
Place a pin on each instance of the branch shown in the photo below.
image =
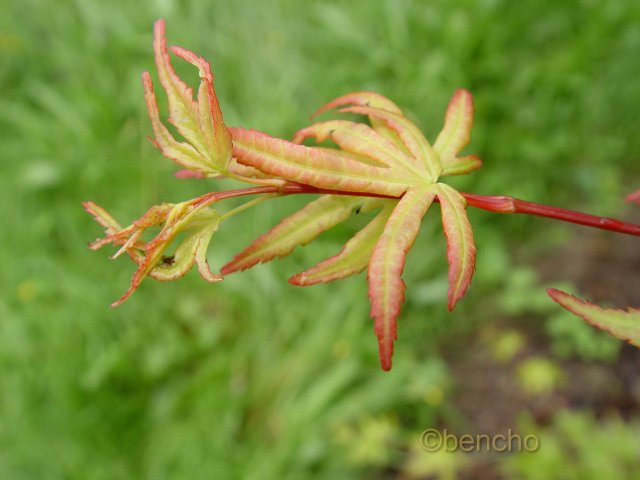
(503, 204)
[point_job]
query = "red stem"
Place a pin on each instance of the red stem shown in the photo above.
(496, 204)
(513, 205)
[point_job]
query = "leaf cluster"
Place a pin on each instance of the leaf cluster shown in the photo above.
(383, 165)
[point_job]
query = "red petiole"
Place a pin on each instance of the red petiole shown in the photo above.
(490, 203)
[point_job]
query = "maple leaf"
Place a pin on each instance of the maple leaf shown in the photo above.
(390, 156)
(385, 167)
(208, 148)
(193, 217)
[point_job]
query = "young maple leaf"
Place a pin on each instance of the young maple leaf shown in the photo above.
(206, 153)
(389, 157)
(388, 166)
(208, 147)
(193, 217)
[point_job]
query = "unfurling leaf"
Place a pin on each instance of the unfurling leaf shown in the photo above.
(193, 217)
(200, 122)
(386, 288)
(622, 324)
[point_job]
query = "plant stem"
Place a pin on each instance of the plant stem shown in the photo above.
(496, 204)
(502, 204)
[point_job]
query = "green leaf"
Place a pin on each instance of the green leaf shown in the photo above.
(386, 288)
(622, 324)
(354, 256)
(388, 165)
(461, 250)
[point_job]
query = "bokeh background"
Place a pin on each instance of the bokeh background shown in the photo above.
(252, 377)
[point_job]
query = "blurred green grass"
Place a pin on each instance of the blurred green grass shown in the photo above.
(253, 377)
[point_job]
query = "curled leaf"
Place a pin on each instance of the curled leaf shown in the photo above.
(200, 122)
(193, 217)
(193, 249)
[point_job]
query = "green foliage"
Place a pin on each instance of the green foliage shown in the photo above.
(581, 448)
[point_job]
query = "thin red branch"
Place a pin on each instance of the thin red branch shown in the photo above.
(496, 204)
(514, 205)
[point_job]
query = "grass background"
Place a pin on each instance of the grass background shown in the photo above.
(253, 378)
